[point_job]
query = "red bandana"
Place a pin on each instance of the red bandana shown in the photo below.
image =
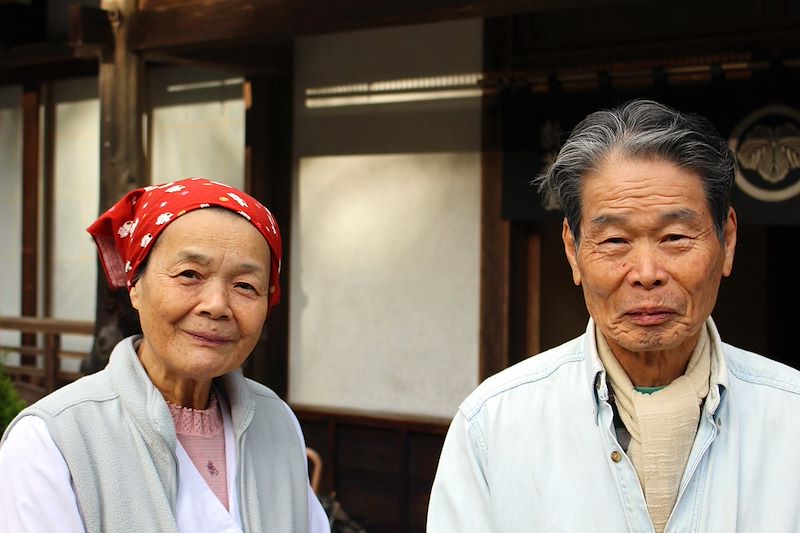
(125, 233)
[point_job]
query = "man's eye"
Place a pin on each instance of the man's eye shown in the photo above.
(614, 240)
(674, 237)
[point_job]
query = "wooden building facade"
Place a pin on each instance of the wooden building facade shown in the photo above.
(544, 64)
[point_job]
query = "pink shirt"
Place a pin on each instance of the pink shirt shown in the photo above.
(200, 432)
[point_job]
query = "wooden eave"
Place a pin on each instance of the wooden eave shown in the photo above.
(50, 60)
(172, 27)
(746, 45)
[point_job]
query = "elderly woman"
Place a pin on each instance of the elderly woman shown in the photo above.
(170, 437)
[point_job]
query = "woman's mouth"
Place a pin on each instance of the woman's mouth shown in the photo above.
(208, 339)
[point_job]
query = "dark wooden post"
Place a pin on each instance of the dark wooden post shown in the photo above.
(52, 347)
(122, 95)
(496, 237)
(510, 251)
(123, 166)
(31, 98)
(268, 169)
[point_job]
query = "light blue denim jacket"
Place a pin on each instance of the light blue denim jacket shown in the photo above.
(533, 448)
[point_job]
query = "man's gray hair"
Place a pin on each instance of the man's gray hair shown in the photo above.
(642, 129)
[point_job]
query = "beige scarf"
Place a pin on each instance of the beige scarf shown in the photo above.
(662, 425)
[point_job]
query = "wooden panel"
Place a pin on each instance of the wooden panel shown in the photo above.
(316, 436)
(372, 500)
(381, 466)
(369, 449)
(423, 456)
(419, 494)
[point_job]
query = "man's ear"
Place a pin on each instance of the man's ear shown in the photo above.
(729, 242)
(572, 252)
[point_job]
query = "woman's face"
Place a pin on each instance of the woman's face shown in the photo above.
(202, 299)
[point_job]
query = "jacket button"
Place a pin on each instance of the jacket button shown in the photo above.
(616, 456)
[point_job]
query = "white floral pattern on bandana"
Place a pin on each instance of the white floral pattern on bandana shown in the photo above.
(238, 200)
(156, 206)
(125, 229)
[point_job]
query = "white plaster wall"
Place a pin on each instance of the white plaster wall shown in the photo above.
(10, 207)
(197, 125)
(76, 183)
(385, 256)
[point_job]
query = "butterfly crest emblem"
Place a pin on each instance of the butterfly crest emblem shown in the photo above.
(767, 148)
(772, 151)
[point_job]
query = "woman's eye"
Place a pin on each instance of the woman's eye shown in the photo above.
(190, 274)
(246, 286)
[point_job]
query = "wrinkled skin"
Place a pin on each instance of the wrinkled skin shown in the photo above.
(202, 302)
(649, 263)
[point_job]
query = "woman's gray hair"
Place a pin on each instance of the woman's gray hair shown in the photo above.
(641, 129)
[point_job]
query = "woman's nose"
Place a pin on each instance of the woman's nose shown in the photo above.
(214, 301)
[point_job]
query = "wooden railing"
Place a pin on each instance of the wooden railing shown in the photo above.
(36, 380)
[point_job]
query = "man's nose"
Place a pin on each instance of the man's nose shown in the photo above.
(646, 268)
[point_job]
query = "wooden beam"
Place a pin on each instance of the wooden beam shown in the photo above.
(255, 60)
(168, 25)
(90, 29)
(33, 63)
(46, 325)
(643, 54)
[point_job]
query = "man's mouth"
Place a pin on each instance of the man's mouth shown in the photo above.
(650, 316)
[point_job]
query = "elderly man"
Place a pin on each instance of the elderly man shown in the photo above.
(648, 421)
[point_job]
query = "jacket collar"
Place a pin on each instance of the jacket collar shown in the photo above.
(146, 404)
(596, 372)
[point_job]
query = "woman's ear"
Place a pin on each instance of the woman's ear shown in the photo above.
(134, 293)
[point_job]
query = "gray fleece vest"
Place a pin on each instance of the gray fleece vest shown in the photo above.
(117, 437)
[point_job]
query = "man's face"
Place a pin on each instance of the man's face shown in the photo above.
(649, 260)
